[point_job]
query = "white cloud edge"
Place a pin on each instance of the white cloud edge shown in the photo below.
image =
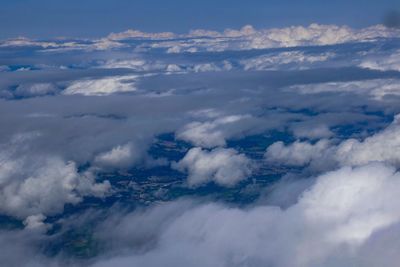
(314, 34)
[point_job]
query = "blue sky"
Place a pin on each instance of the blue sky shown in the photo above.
(48, 18)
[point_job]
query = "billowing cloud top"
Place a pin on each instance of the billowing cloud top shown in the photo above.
(245, 38)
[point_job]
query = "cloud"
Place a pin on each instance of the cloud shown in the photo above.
(120, 157)
(130, 34)
(312, 131)
(383, 62)
(20, 248)
(210, 133)
(334, 223)
(104, 44)
(136, 64)
(101, 87)
(36, 222)
(27, 90)
(203, 40)
(225, 167)
(249, 38)
(63, 45)
(23, 41)
(297, 153)
(36, 185)
(380, 147)
(284, 60)
(377, 89)
(32, 90)
(231, 96)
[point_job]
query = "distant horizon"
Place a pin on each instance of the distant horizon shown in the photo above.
(50, 19)
(183, 33)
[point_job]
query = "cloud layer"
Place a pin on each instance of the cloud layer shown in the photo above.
(339, 221)
(249, 147)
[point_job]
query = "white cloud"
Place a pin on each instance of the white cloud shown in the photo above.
(206, 67)
(250, 38)
(339, 198)
(275, 61)
(316, 34)
(380, 147)
(377, 89)
(384, 146)
(37, 89)
(119, 157)
(36, 222)
(123, 157)
(45, 189)
(223, 166)
(297, 153)
(209, 133)
(135, 64)
(37, 184)
(62, 45)
(102, 86)
(382, 62)
(332, 224)
(104, 44)
(22, 41)
(203, 40)
(171, 68)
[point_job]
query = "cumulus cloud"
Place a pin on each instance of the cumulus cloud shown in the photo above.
(36, 222)
(343, 215)
(250, 38)
(210, 133)
(120, 157)
(297, 153)
(225, 167)
(47, 189)
(346, 218)
(203, 40)
(32, 185)
(321, 35)
(380, 147)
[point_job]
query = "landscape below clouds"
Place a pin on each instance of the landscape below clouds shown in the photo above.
(250, 147)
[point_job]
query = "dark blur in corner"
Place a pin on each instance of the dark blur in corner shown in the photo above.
(392, 19)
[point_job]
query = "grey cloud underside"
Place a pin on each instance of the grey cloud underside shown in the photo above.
(216, 149)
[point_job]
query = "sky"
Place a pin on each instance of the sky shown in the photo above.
(94, 18)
